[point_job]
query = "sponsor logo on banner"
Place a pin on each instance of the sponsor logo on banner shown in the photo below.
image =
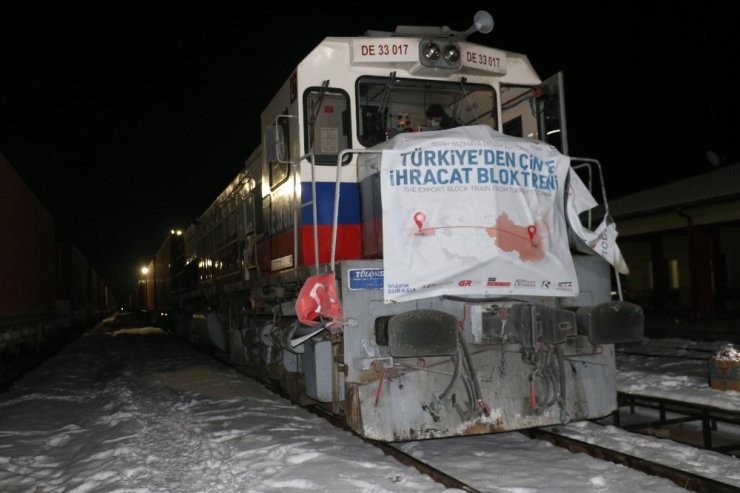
(436, 285)
(564, 286)
(492, 282)
(400, 288)
(525, 284)
(545, 285)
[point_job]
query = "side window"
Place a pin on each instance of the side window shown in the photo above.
(536, 112)
(551, 112)
(327, 123)
(518, 110)
(279, 151)
(513, 127)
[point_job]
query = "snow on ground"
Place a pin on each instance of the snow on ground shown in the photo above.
(139, 411)
(673, 378)
(122, 414)
(666, 452)
(513, 463)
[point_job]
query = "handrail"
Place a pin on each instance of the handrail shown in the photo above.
(587, 162)
(295, 164)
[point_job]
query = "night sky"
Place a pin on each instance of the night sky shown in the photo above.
(128, 118)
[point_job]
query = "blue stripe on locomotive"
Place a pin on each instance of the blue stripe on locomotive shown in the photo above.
(349, 205)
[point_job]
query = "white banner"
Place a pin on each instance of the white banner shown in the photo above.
(603, 240)
(470, 211)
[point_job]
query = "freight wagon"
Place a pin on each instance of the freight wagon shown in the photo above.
(48, 291)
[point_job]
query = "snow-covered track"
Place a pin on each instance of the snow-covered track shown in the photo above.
(683, 478)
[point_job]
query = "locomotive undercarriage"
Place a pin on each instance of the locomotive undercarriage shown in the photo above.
(423, 369)
(504, 388)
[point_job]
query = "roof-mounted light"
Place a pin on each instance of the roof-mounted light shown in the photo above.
(431, 51)
(452, 53)
(432, 55)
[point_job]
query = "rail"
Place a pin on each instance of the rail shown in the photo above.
(687, 480)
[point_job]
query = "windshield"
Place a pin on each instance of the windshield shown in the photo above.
(389, 105)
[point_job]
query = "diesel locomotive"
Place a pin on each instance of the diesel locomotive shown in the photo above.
(411, 247)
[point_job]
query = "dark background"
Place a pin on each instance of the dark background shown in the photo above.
(127, 118)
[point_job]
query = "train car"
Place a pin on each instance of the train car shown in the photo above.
(27, 286)
(168, 259)
(107, 303)
(48, 292)
(72, 278)
(410, 246)
(83, 297)
(100, 299)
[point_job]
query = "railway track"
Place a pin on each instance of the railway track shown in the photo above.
(441, 477)
(485, 467)
(404, 458)
(674, 352)
(684, 479)
(699, 356)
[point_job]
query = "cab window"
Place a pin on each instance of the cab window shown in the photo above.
(387, 106)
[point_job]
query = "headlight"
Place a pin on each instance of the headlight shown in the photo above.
(431, 51)
(432, 55)
(452, 53)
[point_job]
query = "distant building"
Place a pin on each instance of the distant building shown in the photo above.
(682, 244)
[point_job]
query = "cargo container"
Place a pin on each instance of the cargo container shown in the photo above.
(48, 292)
(168, 260)
(26, 250)
(27, 299)
(72, 283)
